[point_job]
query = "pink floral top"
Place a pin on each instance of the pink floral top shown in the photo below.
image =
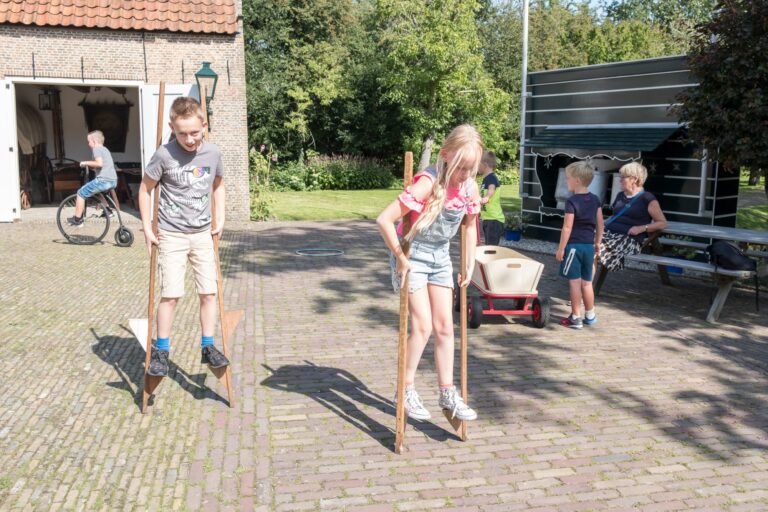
(456, 198)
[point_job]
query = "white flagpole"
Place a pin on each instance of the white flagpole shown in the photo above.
(523, 94)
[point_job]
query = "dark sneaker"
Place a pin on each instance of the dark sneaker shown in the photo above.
(573, 323)
(590, 321)
(158, 363)
(75, 221)
(213, 358)
(104, 215)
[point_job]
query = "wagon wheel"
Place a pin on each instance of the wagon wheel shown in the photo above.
(540, 312)
(475, 312)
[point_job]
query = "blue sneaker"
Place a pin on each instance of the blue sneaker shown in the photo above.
(590, 321)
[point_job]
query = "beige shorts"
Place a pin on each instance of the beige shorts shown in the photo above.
(174, 250)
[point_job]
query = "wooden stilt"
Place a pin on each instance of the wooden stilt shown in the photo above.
(227, 319)
(402, 343)
(461, 427)
(151, 382)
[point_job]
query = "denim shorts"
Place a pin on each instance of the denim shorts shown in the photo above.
(429, 265)
(578, 262)
(96, 186)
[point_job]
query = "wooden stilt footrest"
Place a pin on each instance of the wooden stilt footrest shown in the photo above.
(458, 425)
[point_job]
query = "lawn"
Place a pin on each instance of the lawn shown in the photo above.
(367, 204)
(754, 217)
(744, 182)
(351, 204)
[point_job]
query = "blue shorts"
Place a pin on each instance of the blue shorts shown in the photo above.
(428, 266)
(578, 262)
(96, 186)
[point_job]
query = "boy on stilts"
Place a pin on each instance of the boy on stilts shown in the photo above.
(191, 171)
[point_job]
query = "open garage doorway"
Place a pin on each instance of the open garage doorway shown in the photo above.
(52, 123)
(43, 129)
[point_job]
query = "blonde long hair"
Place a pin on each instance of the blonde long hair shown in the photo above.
(460, 142)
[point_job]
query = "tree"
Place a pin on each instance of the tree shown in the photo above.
(296, 52)
(500, 29)
(433, 70)
(677, 19)
(728, 110)
(570, 34)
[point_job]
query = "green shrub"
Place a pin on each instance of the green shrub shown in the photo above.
(332, 173)
(344, 172)
(288, 176)
(508, 175)
(259, 185)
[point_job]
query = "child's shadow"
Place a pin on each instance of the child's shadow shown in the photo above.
(126, 356)
(341, 392)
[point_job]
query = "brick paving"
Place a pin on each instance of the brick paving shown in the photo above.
(651, 409)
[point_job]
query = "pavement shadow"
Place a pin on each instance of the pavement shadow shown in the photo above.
(734, 355)
(526, 377)
(341, 392)
(126, 356)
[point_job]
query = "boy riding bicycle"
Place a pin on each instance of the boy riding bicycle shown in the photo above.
(106, 177)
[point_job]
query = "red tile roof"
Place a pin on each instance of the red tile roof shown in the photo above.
(207, 16)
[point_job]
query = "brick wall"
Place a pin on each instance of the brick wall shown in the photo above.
(121, 55)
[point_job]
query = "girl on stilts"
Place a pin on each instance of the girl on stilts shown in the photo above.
(440, 199)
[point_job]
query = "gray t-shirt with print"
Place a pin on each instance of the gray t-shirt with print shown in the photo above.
(186, 183)
(107, 171)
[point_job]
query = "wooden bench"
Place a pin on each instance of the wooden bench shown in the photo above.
(701, 247)
(723, 278)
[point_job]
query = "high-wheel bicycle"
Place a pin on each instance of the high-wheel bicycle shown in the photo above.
(97, 217)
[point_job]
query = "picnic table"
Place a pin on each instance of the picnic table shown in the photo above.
(724, 278)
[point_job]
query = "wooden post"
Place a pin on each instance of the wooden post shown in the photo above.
(402, 343)
(227, 319)
(151, 381)
(461, 427)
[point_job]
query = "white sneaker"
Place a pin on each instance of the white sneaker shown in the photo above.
(414, 408)
(450, 400)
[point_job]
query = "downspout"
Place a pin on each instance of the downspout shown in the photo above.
(703, 187)
(523, 96)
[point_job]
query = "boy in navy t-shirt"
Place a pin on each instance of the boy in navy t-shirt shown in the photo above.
(579, 242)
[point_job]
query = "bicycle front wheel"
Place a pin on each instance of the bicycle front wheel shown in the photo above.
(95, 223)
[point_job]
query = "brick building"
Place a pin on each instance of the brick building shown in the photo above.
(72, 65)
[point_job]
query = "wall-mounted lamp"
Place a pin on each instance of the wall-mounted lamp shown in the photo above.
(45, 100)
(206, 81)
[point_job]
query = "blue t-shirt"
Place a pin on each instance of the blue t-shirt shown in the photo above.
(635, 215)
(584, 209)
(489, 180)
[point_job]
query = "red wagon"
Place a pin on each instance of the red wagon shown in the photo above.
(503, 274)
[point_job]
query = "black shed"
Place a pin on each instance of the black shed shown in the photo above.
(613, 114)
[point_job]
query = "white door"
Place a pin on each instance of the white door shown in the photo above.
(10, 204)
(150, 97)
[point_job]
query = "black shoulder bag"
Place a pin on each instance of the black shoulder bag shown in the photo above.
(729, 256)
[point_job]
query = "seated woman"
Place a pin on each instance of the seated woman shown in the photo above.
(635, 214)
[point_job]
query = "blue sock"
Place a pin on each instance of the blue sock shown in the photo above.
(206, 341)
(163, 344)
